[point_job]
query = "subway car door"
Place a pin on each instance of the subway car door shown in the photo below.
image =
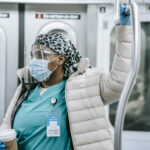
(9, 18)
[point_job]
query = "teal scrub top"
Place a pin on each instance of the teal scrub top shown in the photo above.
(30, 122)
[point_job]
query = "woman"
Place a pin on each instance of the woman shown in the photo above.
(68, 87)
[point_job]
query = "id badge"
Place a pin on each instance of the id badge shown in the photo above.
(53, 126)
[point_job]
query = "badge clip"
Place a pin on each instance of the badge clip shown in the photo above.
(53, 101)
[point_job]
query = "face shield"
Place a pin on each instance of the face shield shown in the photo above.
(40, 55)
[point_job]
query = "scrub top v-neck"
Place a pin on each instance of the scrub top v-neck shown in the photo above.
(30, 120)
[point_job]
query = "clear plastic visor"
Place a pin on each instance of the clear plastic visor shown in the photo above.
(40, 52)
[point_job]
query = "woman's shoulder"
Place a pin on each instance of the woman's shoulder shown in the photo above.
(94, 70)
(88, 73)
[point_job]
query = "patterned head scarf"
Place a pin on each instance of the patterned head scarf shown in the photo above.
(62, 46)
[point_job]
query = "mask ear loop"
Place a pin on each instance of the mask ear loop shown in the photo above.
(54, 68)
(52, 60)
(52, 71)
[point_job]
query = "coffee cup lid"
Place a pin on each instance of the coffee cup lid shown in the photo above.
(7, 135)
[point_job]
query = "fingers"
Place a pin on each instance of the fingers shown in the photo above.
(124, 10)
(2, 146)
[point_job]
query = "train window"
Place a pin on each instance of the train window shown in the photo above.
(138, 109)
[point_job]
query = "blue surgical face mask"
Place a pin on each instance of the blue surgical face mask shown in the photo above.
(39, 69)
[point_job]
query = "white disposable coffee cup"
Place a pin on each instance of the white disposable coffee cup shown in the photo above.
(8, 138)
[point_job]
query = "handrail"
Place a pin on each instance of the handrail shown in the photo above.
(124, 98)
(117, 12)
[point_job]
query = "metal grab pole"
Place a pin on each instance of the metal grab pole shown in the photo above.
(124, 98)
(117, 12)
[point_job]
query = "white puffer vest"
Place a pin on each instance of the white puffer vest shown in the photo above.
(87, 91)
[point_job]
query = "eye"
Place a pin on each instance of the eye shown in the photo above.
(45, 56)
(36, 54)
